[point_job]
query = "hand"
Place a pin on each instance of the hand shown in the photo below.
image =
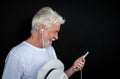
(78, 64)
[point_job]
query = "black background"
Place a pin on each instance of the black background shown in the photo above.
(91, 25)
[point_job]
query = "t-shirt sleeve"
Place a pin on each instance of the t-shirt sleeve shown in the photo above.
(13, 68)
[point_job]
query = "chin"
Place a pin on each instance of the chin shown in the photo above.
(48, 44)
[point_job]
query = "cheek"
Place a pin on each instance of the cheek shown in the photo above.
(48, 36)
(51, 35)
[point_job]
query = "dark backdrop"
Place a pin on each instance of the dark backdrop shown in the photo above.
(91, 25)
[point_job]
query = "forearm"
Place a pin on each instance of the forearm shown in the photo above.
(70, 72)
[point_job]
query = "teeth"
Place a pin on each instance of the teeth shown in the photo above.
(53, 39)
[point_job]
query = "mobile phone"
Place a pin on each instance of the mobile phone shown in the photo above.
(85, 54)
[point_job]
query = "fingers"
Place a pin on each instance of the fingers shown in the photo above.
(79, 63)
(82, 59)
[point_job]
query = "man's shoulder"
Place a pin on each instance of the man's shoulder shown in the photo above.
(18, 47)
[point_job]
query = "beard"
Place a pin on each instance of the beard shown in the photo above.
(47, 43)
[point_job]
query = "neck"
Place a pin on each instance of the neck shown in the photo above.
(35, 40)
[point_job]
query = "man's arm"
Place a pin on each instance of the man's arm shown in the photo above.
(12, 69)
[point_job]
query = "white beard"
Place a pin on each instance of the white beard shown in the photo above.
(47, 43)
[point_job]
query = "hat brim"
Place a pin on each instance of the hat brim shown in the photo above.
(57, 74)
(55, 63)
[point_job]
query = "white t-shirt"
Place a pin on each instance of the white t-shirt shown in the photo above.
(25, 60)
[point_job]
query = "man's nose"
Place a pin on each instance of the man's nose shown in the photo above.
(56, 36)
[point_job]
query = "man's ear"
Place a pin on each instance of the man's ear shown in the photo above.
(41, 27)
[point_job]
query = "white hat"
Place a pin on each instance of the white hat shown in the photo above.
(54, 69)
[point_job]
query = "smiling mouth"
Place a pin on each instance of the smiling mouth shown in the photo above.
(53, 39)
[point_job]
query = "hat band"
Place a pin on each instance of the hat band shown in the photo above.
(49, 73)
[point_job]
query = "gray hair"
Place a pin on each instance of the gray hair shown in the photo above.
(47, 17)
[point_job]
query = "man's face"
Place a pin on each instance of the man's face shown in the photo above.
(51, 34)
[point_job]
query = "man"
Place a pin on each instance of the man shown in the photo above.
(25, 59)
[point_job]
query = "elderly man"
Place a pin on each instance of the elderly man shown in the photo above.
(25, 59)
